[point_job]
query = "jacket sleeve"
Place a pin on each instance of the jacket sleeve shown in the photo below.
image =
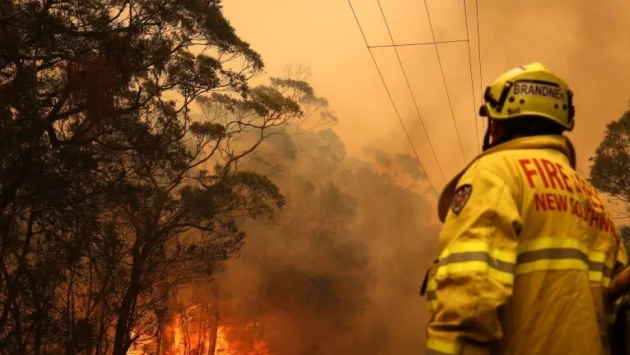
(622, 258)
(619, 280)
(474, 279)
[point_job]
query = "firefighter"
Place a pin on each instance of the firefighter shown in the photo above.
(528, 247)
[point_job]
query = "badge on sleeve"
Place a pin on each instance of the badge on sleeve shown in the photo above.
(461, 196)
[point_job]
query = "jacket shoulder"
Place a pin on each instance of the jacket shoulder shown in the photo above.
(500, 164)
(509, 164)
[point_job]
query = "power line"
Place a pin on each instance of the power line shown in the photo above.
(472, 82)
(411, 92)
(479, 53)
(392, 100)
(417, 43)
(448, 96)
(467, 40)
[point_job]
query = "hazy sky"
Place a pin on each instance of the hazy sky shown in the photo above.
(583, 41)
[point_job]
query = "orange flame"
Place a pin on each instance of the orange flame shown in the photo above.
(140, 346)
(223, 345)
(227, 346)
(190, 335)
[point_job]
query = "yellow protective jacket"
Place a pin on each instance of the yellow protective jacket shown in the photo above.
(526, 253)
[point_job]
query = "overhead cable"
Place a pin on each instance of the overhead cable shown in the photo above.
(415, 103)
(417, 43)
(479, 54)
(392, 100)
(472, 82)
(448, 96)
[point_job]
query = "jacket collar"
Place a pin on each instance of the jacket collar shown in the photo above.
(556, 142)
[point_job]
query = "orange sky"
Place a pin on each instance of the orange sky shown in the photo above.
(581, 40)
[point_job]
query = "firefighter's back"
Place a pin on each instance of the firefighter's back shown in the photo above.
(567, 250)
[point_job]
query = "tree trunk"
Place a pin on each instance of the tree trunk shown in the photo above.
(39, 313)
(13, 286)
(214, 331)
(186, 336)
(201, 330)
(160, 338)
(122, 337)
(102, 327)
(10, 188)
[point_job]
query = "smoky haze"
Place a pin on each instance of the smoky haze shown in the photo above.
(585, 42)
(359, 227)
(337, 271)
(170, 188)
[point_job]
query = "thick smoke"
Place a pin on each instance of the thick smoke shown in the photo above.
(390, 217)
(338, 271)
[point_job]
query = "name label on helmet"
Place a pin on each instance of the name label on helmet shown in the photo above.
(538, 89)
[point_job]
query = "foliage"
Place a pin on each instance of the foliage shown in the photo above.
(610, 169)
(106, 200)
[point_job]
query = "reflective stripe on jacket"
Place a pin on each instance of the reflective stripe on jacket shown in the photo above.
(526, 253)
